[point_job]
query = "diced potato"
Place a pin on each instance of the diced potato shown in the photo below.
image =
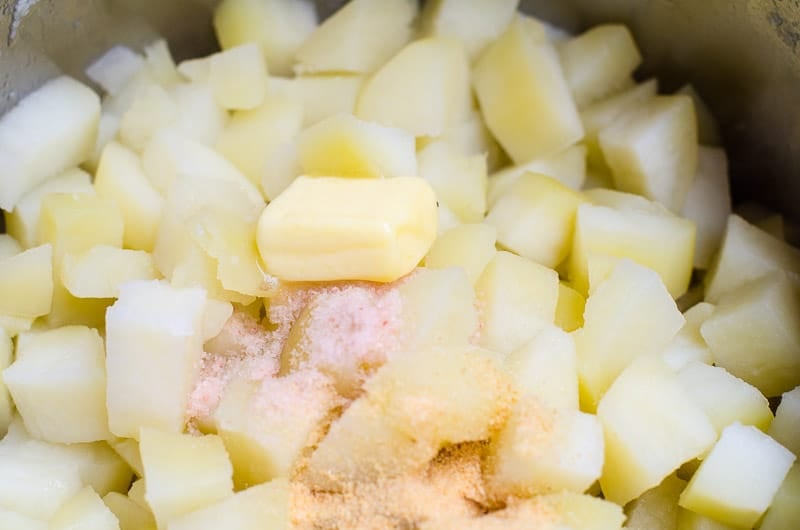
(58, 119)
(446, 219)
(472, 137)
(569, 308)
(476, 23)
(535, 218)
(68, 310)
(121, 178)
(689, 344)
(555, 511)
(321, 96)
(738, 480)
(197, 269)
(36, 488)
(238, 77)
(542, 450)
(523, 94)
(267, 425)
(130, 515)
(58, 384)
(115, 68)
(707, 128)
(725, 398)
(215, 317)
(159, 63)
(99, 271)
(546, 369)
(784, 512)
(6, 358)
(424, 89)
(708, 203)
(8, 246)
(459, 180)
(689, 520)
(344, 146)
(128, 450)
(264, 506)
(26, 281)
(84, 510)
(74, 222)
(567, 167)
(746, 254)
(15, 325)
(599, 62)
(136, 493)
(279, 27)
(656, 509)
(198, 115)
(151, 109)
(358, 38)
(23, 222)
(518, 298)
(252, 137)
(348, 229)
(762, 316)
(634, 300)
(785, 428)
(651, 426)
(154, 334)
(652, 150)
(11, 520)
(183, 472)
(107, 129)
(658, 240)
(469, 246)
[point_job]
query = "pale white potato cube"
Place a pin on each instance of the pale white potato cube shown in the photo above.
(238, 77)
(60, 119)
(159, 63)
(446, 219)
(58, 384)
(523, 95)
(784, 512)
(651, 426)
(358, 38)
(321, 96)
(26, 281)
(153, 333)
(84, 510)
(469, 246)
(130, 515)
(279, 27)
(570, 307)
(737, 481)
(152, 109)
(9, 246)
(472, 137)
(785, 428)
(459, 180)
(518, 298)
(183, 472)
(99, 271)
(11, 520)
(198, 114)
(215, 317)
(656, 509)
(34, 487)
(115, 68)
(128, 450)
(689, 344)
(424, 89)
(689, 520)
(74, 222)
(23, 222)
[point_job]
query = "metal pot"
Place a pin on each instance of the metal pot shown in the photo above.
(743, 56)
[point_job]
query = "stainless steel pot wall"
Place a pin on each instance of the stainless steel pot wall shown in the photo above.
(742, 55)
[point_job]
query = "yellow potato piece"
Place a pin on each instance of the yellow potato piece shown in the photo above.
(323, 229)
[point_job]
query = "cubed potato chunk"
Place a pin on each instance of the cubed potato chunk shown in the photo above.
(599, 62)
(152, 108)
(321, 96)
(84, 510)
(546, 368)
(198, 114)
(160, 64)
(183, 473)
(784, 512)
(74, 222)
(26, 281)
(689, 344)
(238, 77)
(254, 136)
(358, 38)
(121, 178)
(153, 333)
(542, 450)
(130, 515)
(569, 308)
(632, 299)
(115, 68)
(689, 520)
(9, 246)
(128, 450)
(652, 150)
(60, 119)
(424, 89)
(654, 239)
(459, 180)
(725, 398)
(785, 428)
(344, 146)
(707, 127)
(476, 23)
(656, 509)
(267, 425)
(762, 316)
(708, 203)
(738, 480)
(518, 298)
(469, 246)
(472, 137)
(535, 218)
(23, 222)
(11, 520)
(58, 384)
(36, 487)
(278, 27)
(68, 310)
(264, 506)
(747, 253)
(523, 94)
(99, 271)
(651, 426)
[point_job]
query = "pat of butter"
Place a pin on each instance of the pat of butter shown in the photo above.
(322, 229)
